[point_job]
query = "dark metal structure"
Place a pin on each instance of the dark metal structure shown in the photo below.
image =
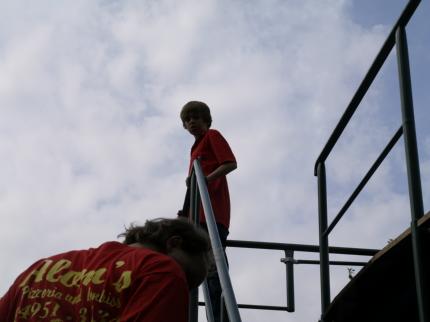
(397, 37)
(199, 194)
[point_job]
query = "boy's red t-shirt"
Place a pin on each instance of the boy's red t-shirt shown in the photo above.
(213, 150)
(111, 283)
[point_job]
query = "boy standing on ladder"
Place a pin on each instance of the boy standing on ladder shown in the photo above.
(217, 160)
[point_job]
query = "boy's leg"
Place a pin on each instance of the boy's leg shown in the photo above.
(213, 281)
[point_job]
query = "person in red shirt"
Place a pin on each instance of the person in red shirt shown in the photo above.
(145, 279)
(217, 160)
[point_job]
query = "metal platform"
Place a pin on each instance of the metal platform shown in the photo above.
(384, 290)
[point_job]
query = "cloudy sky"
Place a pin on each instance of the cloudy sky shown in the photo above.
(90, 136)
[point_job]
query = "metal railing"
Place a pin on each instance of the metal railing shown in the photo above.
(290, 261)
(199, 189)
(397, 37)
(199, 192)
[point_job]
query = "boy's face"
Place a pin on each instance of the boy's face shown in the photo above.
(194, 124)
(195, 266)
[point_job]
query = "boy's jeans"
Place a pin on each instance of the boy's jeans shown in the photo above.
(214, 284)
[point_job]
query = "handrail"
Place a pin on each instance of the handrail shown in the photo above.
(193, 213)
(289, 260)
(414, 176)
(396, 37)
(195, 192)
(300, 247)
(287, 248)
(366, 178)
(208, 306)
(217, 249)
(367, 81)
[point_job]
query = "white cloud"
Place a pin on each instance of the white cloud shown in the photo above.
(91, 138)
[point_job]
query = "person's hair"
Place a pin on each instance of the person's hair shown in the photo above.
(156, 232)
(196, 107)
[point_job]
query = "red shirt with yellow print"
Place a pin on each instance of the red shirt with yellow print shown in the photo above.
(213, 150)
(111, 283)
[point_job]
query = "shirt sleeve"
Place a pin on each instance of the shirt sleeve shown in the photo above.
(221, 148)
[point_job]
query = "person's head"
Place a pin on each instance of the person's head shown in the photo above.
(196, 117)
(187, 244)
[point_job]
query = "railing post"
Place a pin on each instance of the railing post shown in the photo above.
(413, 170)
(323, 239)
(289, 266)
(208, 303)
(193, 308)
(217, 249)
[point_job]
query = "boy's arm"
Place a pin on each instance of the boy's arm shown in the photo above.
(222, 170)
